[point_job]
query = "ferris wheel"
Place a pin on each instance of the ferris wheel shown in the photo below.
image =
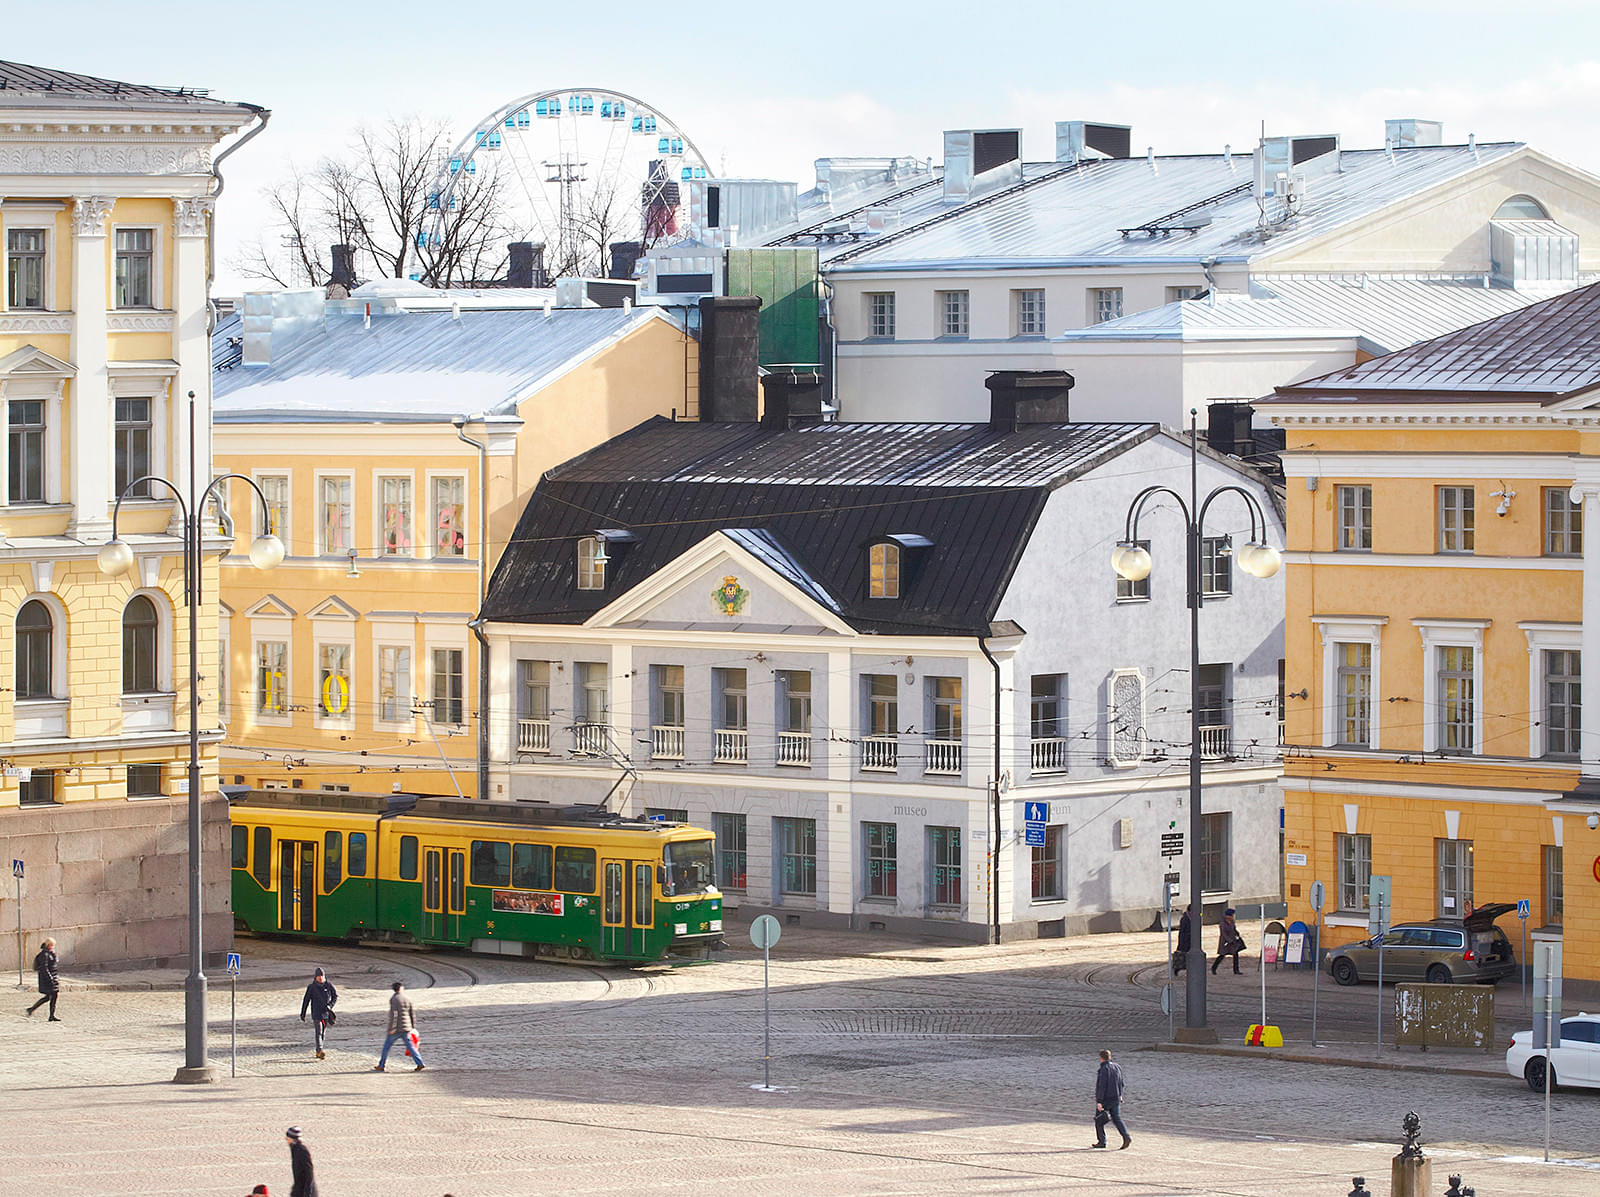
(576, 170)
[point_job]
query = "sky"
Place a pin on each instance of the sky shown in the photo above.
(765, 89)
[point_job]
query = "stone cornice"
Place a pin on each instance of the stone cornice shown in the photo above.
(1358, 419)
(35, 322)
(156, 322)
(36, 155)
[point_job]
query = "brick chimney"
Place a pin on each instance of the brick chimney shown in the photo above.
(729, 361)
(791, 398)
(525, 266)
(343, 272)
(1228, 424)
(1027, 397)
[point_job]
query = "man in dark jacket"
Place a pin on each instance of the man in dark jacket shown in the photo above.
(320, 997)
(305, 1181)
(1108, 1101)
(46, 965)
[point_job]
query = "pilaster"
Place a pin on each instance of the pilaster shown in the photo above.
(90, 404)
(190, 343)
(1586, 490)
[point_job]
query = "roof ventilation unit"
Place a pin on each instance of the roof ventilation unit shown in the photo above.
(1409, 133)
(1079, 140)
(977, 161)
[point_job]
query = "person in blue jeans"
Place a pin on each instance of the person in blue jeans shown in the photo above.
(402, 1021)
(1108, 1101)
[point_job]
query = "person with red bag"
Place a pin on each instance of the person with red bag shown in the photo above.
(402, 1028)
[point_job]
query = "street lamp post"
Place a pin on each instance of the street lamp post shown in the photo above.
(115, 557)
(1257, 558)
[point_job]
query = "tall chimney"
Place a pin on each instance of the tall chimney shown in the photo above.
(729, 358)
(525, 266)
(1228, 427)
(343, 273)
(624, 254)
(1019, 397)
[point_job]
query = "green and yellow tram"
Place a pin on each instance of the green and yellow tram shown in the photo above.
(517, 879)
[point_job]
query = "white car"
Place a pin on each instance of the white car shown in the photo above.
(1575, 1062)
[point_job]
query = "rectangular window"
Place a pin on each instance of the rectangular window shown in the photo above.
(1047, 714)
(447, 686)
(883, 571)
(952, 313)
(1455, 519)
(731, 848)
(1455, 698)
(272, 677)
(356, 854)
(797, 855)
(1216, 851)
(408, 858)
(593, 682)
(794, 700)
(575, 870)
(668, 695)
(394, 683)
(883, 706)
(1105, 303)
(335, 516)
(1129, 591)
(394, 500)
(135, 273)
(532, 866)
(882, 881)
(1563, 702)
(1216, 566)
(25, 269)
(944, 695)
(133, 445)
(275, 489)
(533, 689)
(241, 847)
(449, 524)
(144, 781)
(1047, 871)
(332, 860)
(944, 864)
(1179, 294)
(733, 709)
(1355, 519)
(1554, 886)
(491, 863)
(1355, 871)
(334, 695)
(1028, 309)
(38, 789)
(261, 852)
(880, 315)
(1563, 523)
(26, 435)
(1455, 877)
(1354, 694)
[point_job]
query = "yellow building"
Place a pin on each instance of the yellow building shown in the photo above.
(1438, 724)
(105, 228)
(396, 437)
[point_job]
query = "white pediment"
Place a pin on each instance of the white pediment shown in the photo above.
(335, 608)
(30, 362)
(269, 607)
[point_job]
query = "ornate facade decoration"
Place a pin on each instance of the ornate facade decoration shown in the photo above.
(192, 214)
(89, 214)
(34, 322)
(67, 158)
(156, 322)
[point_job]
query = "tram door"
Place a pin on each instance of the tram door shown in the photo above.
(627, 908)
(297, 885)
(444, 893)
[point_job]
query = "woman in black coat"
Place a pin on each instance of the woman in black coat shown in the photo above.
(1229, 942)
(45, 964)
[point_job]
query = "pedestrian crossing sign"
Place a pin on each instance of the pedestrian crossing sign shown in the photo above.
(233, 964)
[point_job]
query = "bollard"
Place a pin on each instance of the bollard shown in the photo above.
(1411, 1174)
(1359, 1188)
(1455, 1189)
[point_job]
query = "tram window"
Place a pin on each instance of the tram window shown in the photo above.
(356, 862)
(241, 847)
(408, 858)
(332, 861)
(575, 870)
(530, 866)
(262, 871)
(491, 863)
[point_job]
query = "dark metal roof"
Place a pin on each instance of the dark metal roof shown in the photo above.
(808, 502)
(18, 78)
(1540, 354)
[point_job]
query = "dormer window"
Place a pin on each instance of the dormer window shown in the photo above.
(592, 561)
(1521, 207)
(883, 571)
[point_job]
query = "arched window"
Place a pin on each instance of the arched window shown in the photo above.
(1521, 207)
(591, 564)
(140, 637)
(35, 641)
(883, 571)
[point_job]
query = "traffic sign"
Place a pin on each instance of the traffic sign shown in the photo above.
(16, 868)
(233, 964)
(1379, 908)
(1036, 812)
(764, 931)
(1524, 908)
(1319, 896)
(1033, 835)
(1171, 843)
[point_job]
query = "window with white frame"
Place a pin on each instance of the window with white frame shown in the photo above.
(1216, 566)
(732, 840)
(1179, 294)
(1452, 715)
(1355, 871)
(396, 535)
(1105, 303)
(449, 686)
(1027, 307)
(141, 646)
(1351, 678)
(953, 313)
(591, 564)
(944, 700)
(881, 854)
(883, 571)
(132, 446)
(1454, 877)
(733, 699)
(883, 705)
(533, 689)
(1562, 715)
(334, 515)
(135, 268)
(1353, 687)
(1216, 851)
(447, 507)
(1554, 886)
(796, 843)
(593, 679)
(1355, 519)
(1563, 523)
(272, 677)
(944, 866)
(1456, 519)
(880, 315)
(35, 646)
(27, 447)
(668, 699)
(275, 490)
(335, 692)
(25, 269)
(794, 700)
(1047, 706)
(1457, 693)
(394, 683)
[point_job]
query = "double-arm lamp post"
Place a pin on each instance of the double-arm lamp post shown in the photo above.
(115, 557)
(1130, 559)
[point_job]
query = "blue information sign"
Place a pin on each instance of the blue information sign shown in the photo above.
(1036, 812)
(1033, 835)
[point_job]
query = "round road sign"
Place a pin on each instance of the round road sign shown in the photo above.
(1319, 895)
(764, 932)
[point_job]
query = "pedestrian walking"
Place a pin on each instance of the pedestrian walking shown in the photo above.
(319, 999)
(1180, 958)
(305, 1180)
(1229, 942)
(46, 964)
(402, 1027)
(1108, 1101)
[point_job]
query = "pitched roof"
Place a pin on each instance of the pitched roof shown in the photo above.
(1543, 353)
(1076, 214)
(22, 85)
(416, 365)
(807, 502)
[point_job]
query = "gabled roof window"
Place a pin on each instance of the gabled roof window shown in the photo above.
(883, 570)
(592, 562)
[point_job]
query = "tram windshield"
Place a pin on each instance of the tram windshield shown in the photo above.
(688, 866)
